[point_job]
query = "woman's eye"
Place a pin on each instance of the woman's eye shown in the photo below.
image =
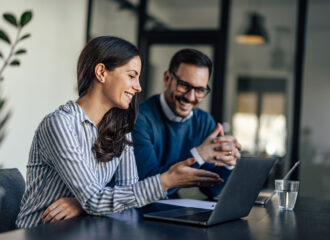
(131, 76)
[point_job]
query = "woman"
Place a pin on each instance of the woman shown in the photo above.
(84, 149)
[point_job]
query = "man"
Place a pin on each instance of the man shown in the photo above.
(171, 128)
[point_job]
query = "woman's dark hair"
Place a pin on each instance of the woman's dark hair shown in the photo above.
(113, 52)
(190, 56)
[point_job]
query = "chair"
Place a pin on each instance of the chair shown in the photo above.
(13, 184)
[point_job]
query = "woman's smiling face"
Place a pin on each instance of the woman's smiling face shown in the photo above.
(122, 83)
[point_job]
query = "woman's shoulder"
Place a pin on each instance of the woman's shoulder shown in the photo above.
(63, 117)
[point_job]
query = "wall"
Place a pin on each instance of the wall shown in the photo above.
(46, 77)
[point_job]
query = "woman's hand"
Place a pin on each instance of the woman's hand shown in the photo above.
(182, 175)
(62, 209)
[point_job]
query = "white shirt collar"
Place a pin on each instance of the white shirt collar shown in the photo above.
(169, 113)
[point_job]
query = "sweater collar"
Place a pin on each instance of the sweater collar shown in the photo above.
(169, 113)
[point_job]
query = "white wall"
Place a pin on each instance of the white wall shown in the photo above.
(47, 75)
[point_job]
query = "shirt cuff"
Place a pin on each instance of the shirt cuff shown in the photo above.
(230, 167)
(200, 160)
(149, 190)
(196, 155)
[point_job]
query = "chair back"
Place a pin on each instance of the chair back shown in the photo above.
(12, 186)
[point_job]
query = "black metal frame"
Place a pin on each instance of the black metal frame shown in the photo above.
(89, 20)
(298, 82)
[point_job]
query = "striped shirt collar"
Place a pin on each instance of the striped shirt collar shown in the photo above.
(76, 110)
(169, 113)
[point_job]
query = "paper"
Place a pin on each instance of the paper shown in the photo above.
(189, 203)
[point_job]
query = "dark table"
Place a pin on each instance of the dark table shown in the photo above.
(309, 220)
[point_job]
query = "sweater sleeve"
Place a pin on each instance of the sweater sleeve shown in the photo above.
(146, 158)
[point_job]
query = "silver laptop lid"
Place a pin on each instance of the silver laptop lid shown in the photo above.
(242, 188)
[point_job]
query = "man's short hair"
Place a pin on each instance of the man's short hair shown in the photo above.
(190, 56)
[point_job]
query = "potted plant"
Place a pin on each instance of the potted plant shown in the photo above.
(11, 58)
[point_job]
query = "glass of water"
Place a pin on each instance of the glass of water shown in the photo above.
(287, 192)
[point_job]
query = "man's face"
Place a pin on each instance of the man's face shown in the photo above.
(183, 103)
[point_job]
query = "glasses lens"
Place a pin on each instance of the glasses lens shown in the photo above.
(200, 92)
(183, 88)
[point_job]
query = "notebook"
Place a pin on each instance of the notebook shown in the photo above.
(235, 200)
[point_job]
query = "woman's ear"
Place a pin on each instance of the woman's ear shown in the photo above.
(100, 72)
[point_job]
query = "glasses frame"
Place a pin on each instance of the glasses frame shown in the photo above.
(189, 86)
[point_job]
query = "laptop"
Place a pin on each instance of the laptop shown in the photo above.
(235, 200)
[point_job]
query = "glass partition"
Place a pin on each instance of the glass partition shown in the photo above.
(259, 79)
(114, 17)
(315, 117)
(182, 14)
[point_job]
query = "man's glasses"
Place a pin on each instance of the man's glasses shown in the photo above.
(185, 87)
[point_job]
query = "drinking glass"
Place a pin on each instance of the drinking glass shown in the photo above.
(287, 192)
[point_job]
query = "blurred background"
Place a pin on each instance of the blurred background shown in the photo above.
(270, 85)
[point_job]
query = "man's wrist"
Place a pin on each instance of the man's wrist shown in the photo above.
(196, 155)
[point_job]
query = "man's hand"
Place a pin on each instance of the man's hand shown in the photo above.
(62, 209)
(219, 149)
(182, 175)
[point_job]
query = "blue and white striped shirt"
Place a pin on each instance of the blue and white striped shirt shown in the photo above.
(63, 164)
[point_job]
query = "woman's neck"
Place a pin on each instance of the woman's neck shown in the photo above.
(93, 107)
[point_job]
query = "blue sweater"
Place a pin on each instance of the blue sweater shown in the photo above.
(159, 143)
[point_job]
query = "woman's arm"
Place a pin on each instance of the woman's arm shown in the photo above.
(126, 173)
(60, 144)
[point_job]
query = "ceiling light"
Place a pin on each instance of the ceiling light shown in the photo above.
(255, 33)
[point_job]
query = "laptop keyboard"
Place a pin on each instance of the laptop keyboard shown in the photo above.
(202, 216)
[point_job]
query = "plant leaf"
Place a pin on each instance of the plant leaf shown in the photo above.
(25, 36)
(14, 63)
(20, 51)
(25, 18)
(2, 102)
(2, 136)
(4, 120)
(10, 18)
(4, 36)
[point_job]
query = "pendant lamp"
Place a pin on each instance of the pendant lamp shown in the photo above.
(255, 33)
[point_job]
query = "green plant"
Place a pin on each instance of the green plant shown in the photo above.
(11, 58)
